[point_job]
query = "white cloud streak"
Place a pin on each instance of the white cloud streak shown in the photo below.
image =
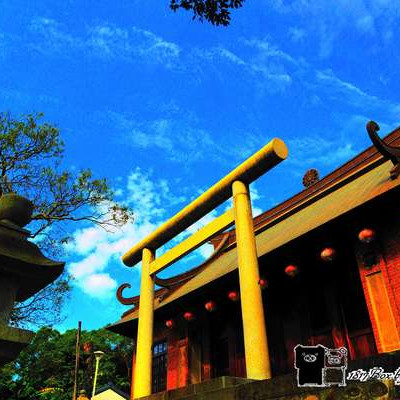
(346, 92)
(104, 41)
(178, 139)
(266, 67)
(311, 151)
(329, 20)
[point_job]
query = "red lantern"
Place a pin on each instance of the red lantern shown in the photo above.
(87, 347)
(188, 315)
(263, 283)
(169, 323)
(233, 295)
(328, 254)
(291, 270)
(366, 235)
(210, 306)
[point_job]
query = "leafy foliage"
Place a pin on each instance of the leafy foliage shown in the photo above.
(45, 369)
(30, 157)
(44, 307)
(217, 12)
(30, 165)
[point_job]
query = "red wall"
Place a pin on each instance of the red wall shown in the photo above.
(386, 273)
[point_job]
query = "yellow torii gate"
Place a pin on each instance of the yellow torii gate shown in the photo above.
(235, 184)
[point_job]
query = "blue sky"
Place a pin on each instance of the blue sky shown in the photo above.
(164, 106)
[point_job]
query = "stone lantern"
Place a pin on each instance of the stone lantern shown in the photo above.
(24, 271)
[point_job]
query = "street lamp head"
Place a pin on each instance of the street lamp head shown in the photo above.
(98, 354)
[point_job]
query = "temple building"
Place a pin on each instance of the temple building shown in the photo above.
(329, 274)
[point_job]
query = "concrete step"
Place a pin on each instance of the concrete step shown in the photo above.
(209, 386)
(278, 388)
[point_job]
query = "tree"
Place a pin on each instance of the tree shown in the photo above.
(46, 366)
(30, 165)
(217, 12)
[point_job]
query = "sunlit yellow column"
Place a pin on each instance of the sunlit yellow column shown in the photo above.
(142, 382)
(254, 331)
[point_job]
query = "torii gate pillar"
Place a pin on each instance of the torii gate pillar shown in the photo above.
(254, 331)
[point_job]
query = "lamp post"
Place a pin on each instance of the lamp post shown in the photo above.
(98, 354)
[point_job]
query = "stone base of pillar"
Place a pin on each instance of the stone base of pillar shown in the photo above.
(12, 341)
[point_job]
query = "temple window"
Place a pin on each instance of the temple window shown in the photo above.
(159, 376)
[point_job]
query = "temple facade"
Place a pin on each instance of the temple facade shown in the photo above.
(329, 274)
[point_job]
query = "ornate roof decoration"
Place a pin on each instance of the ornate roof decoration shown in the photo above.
(310, 177)
(391, 153)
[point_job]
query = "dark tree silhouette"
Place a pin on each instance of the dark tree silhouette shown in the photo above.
(217, 12)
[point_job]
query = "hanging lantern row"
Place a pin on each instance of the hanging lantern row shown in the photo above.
(188, 316)
(328, 254)
(367, 235)
(210, 306)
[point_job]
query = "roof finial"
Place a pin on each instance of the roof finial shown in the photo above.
(389, 152)
(310, 177)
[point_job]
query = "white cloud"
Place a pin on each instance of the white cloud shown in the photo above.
(329, 20)
(104, 41)
(267, 50)
(218, 54)
(266, 67)
(53, 37)
(255, 196)
(316, 151)
(366, 24)
(92, 262)
(296, 34)
(113, 42)
(99, 285)
(94, 251)
(346, 92)
(86, 239)
(178, 139)
(342, 86)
